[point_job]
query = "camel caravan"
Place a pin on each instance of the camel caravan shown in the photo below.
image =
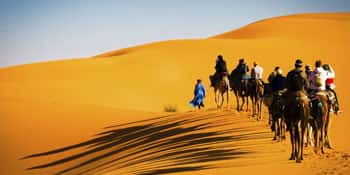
(300, 102)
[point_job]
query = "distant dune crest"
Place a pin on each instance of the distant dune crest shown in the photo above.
(307, 26)
(304, 25)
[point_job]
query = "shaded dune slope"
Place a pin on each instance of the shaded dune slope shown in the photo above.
(168, 144)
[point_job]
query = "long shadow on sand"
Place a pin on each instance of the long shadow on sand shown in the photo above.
(168, 144)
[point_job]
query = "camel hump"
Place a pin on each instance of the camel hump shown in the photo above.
(299, 94)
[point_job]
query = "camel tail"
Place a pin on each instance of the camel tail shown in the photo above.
(319, 108)
(300, 109)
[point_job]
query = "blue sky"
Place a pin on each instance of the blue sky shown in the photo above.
(39, 30)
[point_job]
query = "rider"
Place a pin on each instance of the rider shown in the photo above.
(257, 73)
(220, 70)
(296, 79)
(273, 74)
(330, 86)
(278, 83)
(297, 85)
(243, 69)
(318, 78)
(308, 71)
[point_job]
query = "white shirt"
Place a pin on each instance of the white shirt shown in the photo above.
(323, 75)
(258, 72)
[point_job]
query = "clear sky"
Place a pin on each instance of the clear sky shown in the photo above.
(40, 30)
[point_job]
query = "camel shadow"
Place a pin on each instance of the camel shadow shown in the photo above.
(167, 144)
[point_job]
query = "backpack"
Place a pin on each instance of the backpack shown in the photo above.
(317, 79)
(297, 81)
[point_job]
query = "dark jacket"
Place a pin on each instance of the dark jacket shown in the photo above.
(221, 66)
(243, 68)
(278, 83)
(296, 80)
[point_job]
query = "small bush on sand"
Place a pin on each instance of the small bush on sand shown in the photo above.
(170, 108)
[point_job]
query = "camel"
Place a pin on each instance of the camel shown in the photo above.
(320, 119)
(267, 99)
(256, 91)
(274, 103)
(278, 121)
(297, 113)
(239, 88)
(332, 104)
(221, 87)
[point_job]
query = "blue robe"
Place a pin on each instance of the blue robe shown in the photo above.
(199, 94)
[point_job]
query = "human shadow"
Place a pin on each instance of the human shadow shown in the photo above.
(162, 145)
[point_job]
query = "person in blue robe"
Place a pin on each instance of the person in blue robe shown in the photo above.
(199, 95)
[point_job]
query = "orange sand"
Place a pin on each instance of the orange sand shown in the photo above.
(53, 104)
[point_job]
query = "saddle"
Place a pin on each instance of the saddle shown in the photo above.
(216, 77)
(290, 96)
(316, 96)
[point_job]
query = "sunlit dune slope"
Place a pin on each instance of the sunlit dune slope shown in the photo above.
(148, 77)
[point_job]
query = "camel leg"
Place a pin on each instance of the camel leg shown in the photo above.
(283, 123)
(227, 98)
(310, 130)
(254, 105)
(237, 101)
(307, 136)
(308, 139)
(259, 109)
(216, 100)
(255, 110)
(219, 99)
(327, 140)
(317, 136)
(279, 129)
(275, 126)
(241, 105)
(247, 104)
(251, 98)
(304, 125)
(292, 140)
(222, 99)
(243, 101)
(299, 143)
(270, 116)
(322, 138)
(261, 106)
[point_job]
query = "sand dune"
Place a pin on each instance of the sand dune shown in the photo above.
(205, 142)
(52, 104)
